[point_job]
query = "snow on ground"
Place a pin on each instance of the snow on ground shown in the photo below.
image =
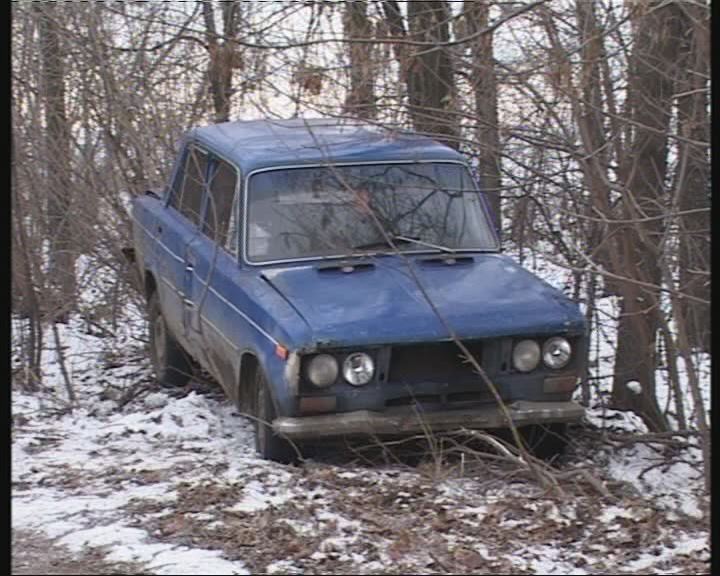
(169, 479)
(668, 485)
(74, 474)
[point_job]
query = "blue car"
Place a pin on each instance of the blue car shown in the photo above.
(319, 269)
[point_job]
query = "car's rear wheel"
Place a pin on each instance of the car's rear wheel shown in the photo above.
(171, 364)
(547, 441)
(268, 444)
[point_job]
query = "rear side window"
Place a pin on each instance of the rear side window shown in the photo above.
(176, 187)
(191, 185)
(231, 243)
(219, 212)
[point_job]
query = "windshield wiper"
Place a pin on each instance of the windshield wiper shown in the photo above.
(378, 244)
(413, 240)
(399, 239)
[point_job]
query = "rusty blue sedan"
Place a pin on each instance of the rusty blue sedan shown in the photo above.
(323, 270)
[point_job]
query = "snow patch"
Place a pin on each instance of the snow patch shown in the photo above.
(257, 498)
(634, 386)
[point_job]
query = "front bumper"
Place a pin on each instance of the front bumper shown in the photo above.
(407, 420)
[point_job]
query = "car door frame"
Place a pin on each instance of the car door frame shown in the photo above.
(182, 232)
(203, 291)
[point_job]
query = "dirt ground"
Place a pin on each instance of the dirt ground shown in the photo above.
(33, 553)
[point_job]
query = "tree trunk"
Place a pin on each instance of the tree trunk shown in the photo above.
(223, 56)
(430, 78)
(396, 26)
(360, 101)
(692, 178)
(61, 256)
(652, 72)
(594, 135)
(484, 85)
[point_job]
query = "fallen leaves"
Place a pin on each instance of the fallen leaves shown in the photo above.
(337, 516)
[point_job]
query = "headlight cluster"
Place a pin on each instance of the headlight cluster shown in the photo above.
(322, 370)
(357, 369)
(556, 353)
(526, 355)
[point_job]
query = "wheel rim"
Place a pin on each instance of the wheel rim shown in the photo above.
(159, 341)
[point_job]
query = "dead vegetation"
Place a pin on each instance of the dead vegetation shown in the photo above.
(455, 503)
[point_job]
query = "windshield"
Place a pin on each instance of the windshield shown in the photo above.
(328, 211)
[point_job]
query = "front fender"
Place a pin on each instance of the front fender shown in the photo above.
(282, 376)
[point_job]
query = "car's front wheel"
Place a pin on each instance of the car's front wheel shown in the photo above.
(171, 364)
(268, 444)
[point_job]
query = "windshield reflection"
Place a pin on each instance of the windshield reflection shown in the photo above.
(331, 210)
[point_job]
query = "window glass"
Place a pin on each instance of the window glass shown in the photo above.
(223, 180)
(335, 210)
(231, 243)
(176, 187)
(193, 185)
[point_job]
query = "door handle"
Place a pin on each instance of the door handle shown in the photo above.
(189, 261)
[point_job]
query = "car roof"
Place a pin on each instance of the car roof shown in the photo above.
(258, 144)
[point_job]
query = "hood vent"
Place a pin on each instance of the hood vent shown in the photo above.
(345, 267)
(446, 260)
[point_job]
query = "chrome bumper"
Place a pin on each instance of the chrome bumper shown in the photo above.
(407, 420)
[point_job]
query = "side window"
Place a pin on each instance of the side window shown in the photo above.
(220, 209)
(176, 185)
(193, 185)
(231, 243)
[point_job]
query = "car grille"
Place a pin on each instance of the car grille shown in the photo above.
(457, 399)
(435, 362)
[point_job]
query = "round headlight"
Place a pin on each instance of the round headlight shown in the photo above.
(358, 369)
(322, 370)
(556, 352)
(526, 355)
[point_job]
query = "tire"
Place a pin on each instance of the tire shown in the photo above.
(171, 363)
(546, 442)
(268, 444)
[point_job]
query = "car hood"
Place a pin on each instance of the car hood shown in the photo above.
(482, 296)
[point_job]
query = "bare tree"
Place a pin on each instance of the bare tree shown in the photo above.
(653, 66)
(427, 72)
(692, 174)
(484, 85)
(61, 257)
(224, 55)
(360, 100)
